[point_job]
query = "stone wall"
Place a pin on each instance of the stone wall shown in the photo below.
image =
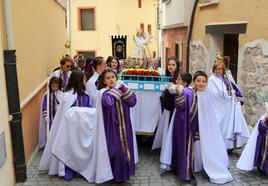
(253, 77)
(198, 57)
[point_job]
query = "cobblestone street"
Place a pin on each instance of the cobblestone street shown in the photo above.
(147, 173)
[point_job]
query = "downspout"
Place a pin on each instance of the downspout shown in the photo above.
(13, 98)
(190, 36)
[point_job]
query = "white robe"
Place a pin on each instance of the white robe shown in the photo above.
(166, 151)
(213, 150)
(162, 130)
(48, 161)
(91, 89)
(43, 127)
(81, 144)
(228, 114)
(246, 160)
(163, 125)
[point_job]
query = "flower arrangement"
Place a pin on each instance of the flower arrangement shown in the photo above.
(140, 72)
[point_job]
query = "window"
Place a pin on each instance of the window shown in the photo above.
(167, 54)
(154, 54)
(139, 3)
(87, 53)
(142, 27)
(86, 19)
(149, 29)
(178, 51)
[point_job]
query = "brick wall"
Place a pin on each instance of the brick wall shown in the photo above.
(172, 36)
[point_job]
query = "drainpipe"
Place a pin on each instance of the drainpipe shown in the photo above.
(68, 19)
(190, 35)
(13, 98)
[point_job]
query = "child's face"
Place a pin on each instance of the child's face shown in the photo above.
(101, 67)
(200, 83)
(81, 65)
(218, 71)
(172, 66)
(179, 80)
(110, 79)
(114, 64)
(67, 66)
(54, 87)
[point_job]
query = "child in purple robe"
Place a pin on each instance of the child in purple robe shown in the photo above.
(185, 127)
(54, 86)
(116, 102)
(76, 84)
(49, 108)
(261, 153)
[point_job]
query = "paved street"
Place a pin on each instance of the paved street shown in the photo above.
(147, 173)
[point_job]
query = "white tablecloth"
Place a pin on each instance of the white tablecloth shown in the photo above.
(147, 112)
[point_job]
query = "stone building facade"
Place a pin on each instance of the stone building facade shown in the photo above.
(239, 30)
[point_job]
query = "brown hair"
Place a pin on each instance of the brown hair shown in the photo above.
(101, 78)
(109, 64)
(217, 63)
(64, 59)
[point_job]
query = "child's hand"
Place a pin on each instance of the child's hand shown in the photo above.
(123, 87)
(179, 89)
(233, 92)
(169, 85)
(46, 119)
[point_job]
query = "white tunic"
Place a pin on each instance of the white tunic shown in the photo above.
(246, 160)
(228, 114)
(91, 88)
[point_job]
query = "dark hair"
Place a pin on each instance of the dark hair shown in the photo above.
(187, 77)
(101, 78)
(109, 60)
(177, 63)
(91, 65)
(200, 73)
(110, 63)
(55, 80)
(76, 82)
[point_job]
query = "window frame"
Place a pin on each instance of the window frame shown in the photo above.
(79, 17)
(139, 3)
(149, 28)
(142, 27)
(79, 51)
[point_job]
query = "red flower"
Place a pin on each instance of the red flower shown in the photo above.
(129, 72)
(155, 73)
(147, 72)
(135, 72)
(142, 72)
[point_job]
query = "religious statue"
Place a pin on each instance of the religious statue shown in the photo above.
(140, 40)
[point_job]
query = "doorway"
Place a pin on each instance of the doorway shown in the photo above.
(230, 48)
